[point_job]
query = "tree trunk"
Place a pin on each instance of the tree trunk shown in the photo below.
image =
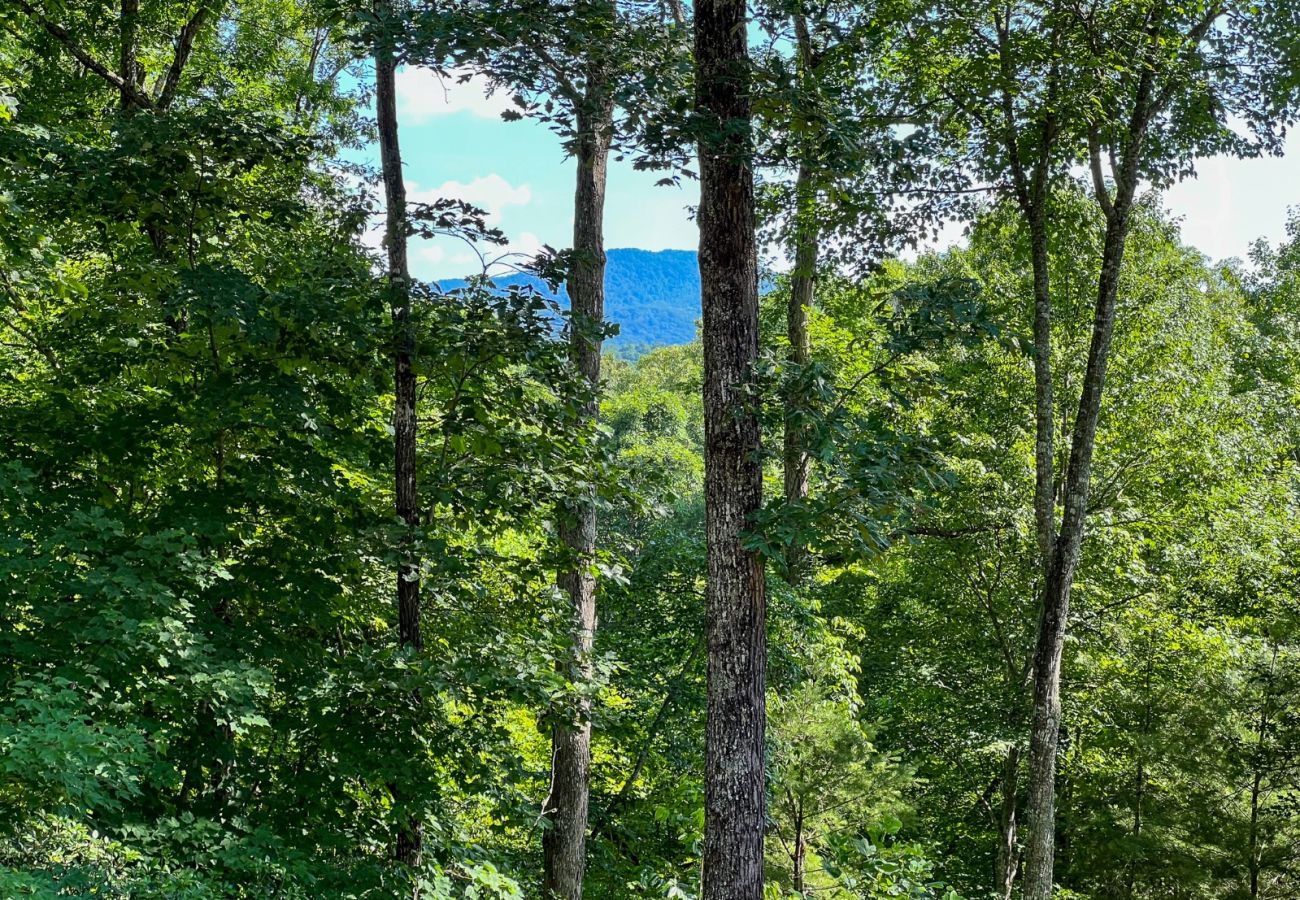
(733, 486)
(1257, 788)
(1008, 859)
(1046, 722)
(802, 290)
(800, 852)
(1253, 862)
(409, 837)
(1140, 776)
(564, 842)
(1044, 411)
(129, 66)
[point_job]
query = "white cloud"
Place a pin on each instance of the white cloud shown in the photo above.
(491, 193)
(373, 237)
(431, 253)
(527, 244)
(423, 94)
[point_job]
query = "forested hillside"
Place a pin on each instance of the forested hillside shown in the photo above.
(965, 573)
(652, 296)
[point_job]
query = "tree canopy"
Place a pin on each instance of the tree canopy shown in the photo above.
(930, 570)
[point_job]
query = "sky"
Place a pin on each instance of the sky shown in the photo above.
(455, 143)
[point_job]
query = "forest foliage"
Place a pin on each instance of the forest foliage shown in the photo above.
(203, 690)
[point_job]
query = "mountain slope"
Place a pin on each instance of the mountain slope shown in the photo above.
(653, 296)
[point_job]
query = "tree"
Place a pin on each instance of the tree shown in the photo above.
(1146, 88)
(848, 176)
(828, 782)
(221, 524)
(574, 67)
(405, 495)
(733, 483)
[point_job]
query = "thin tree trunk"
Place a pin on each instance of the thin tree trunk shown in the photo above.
(1253, 862)
(1008, 859)
(564, 841)
(802, 294)
(800, 852)
(651, 732)
(1044, 411)
(1257, 786)
(734, 799)
(128, 65)
(169, 85)
(409, 837)
(1140, 776)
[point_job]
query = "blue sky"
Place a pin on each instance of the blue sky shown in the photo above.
(454, 143)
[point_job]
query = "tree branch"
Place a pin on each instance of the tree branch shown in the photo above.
(1098, 178)
(64, 37)
(184, 47)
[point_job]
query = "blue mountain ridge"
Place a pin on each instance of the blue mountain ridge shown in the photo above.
(652, 295)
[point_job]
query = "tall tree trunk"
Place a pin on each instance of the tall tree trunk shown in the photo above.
(409, 837)
(1008, 858)
(733, 484)
(564, 842)
(1046, 721)
(802, 293)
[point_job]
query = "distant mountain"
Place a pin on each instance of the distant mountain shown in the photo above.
(653, 296)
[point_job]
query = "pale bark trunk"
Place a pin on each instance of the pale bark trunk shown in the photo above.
(564, 841)
(1008, 858)
(406, 502)
(736, 604)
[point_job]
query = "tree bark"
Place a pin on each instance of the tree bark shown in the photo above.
(128, 66)
(1008, 858)
(564, 841)
(406, 501)
(208, 9)
(736, 598)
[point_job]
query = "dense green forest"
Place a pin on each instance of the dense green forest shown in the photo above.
(969, 572)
